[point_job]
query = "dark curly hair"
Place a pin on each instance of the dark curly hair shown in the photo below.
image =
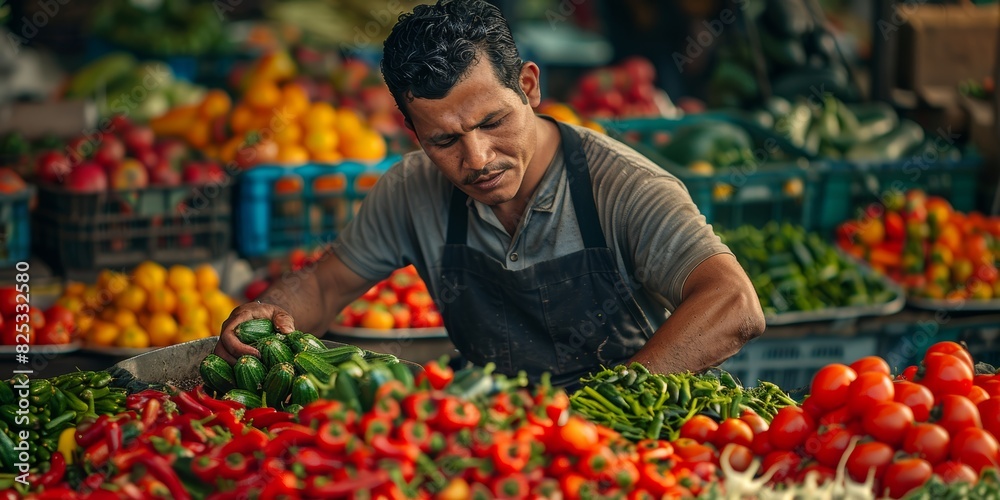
(429, 49)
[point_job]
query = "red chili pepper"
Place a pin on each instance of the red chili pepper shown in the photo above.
(138, 400)
(205, 468)
(57, 469)
(235, 466)
(386, 448)
(320, 411)
(216, 405)
(333, 436)
(279, 426)
(656, 478)
(359, 453)
(227, 419)
(286, 484)
(272, 466)
(372, 425)
(560, 464)
(511, 457)
(92, 482)
(318, 462)
(365, 480)
(56, 494)
(159, 468)
(295, 435)
(654, 450)
(89, 434)
(438, 374)
(253, 440)
(123, 461)
(186, 403)
(455, 414)
(10, 494)
(271, 420)
(386, 408)
(415, 432)
(114, 437)
(511, 486)
(483, 473)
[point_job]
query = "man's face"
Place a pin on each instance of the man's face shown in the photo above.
(481, 135)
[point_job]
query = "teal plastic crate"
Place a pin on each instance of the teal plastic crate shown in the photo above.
(791, 362)
(269, 223)
(847, 187)
(780, 184)
(15, 227)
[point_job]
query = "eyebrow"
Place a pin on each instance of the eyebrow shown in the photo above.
(438, 138)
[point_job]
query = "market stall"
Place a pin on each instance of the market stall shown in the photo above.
(164, 163)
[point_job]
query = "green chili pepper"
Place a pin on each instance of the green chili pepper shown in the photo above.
(653, 431)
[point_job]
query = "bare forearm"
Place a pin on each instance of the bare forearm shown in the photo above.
(301, 295)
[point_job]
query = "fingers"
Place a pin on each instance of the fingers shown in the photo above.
(229, 347)
(282, 321)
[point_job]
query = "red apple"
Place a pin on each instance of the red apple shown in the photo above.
(129, 174)
(87, 177)
(53, 167)
(138, 139)
(147, 157)
(165, 173)
(110, 152)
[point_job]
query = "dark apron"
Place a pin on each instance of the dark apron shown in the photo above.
(567, 316)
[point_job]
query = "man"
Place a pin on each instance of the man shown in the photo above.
(547, 247)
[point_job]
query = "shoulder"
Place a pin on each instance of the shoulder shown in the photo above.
(613, 162)
(415, 173)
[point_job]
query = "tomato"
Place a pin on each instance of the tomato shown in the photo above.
(976, 448)
(909, 373)
(732, 430)
(905, 475)
(827, 445)
(946, 374)
(866, 457)
(868, 390)
(928, 441)
(61, 315)
(690, 450)
(920, 399)
(36, 318)
(700, 428)
(740, 456)
(8, 302)
(955, 472)
(830, 384)
(978, 394)
(839, 416)
(755, 421)
(989, 412)
(871, 364)
(790, 428)
(992, 387)
(762, 444)
(956, 413)
(811, 407)
(821, 474)
(783, 463)
(52, 333)
(888, 422)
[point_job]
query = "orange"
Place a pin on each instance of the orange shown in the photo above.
(133, 336)
(150, 276)
(181, 278)
(348, 124)
(83, 323)
(241, 120)
(102, 333)
(214, 298)
(197, 315)
(320, 116)
(292, 154)
(162, 329)
(217, 316)
(288, 134)
(294, 100)
(321, 141)
(162, 300)
(328, 157)
(132, 298)
(199, 134)
(74, 288)
(93, 298)
(871, 232)
(368, 146)
(216, 103)
(71, 302)
(263, 95)
(123, 317)
(379, 319)
(206, 278)
(187, 333)
(980, 290)
(950, 236)
(560, 112)
(188, 298)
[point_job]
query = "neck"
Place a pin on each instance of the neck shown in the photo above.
(546, 146)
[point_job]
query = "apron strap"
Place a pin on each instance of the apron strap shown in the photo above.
(458, 217)
(581, 188)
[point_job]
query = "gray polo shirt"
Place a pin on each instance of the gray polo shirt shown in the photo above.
(653, 228)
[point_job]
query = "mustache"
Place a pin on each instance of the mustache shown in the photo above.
(487, 170)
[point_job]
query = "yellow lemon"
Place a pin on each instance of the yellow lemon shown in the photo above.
(214, 298)
(162, 329)
(132, 298)
(71, 302)
(701, 167)
(83, 324)
(162, 300)
(133, 336)
(123, 317)
(112, 281)
(188, 333)
(102, 333)
(197, 315)
(150, 276)
(181, 278)
(93, 298)
(207, 278)
(218, 315)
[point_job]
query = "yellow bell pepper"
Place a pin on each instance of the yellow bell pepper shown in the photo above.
(67, 444)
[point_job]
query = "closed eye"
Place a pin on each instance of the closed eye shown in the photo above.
(493, 125)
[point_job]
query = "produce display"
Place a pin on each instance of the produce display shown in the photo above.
(922, 243)
(55, 325)
(620, 91)
(151, 307)
(795, 270)
(163, 29)
(399, 301)
(565, 114)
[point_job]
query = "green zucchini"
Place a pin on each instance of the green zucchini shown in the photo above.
(254, 330)
(249, 373)
(246, 398)
(273, 352)
(311, 363)
(6, 393)
(338, 355)
(216, 373)
(278, 383)
(303, 391)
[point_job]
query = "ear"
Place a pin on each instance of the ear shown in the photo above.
(530, 83)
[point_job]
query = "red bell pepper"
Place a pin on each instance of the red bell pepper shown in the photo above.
(598, 461)
(272, 466)
(359, 453)
(656, 478)
(455, 414)
(372, 425)
(205, 468)
(561, 464)
(503, 403)
(333, 436)
(322, 410)
(511, 486)
(654, 450)
(328, 488)
(293, 435)
(235, 466)
(415, 432)
(385, 448)
(386, 408)
(393, 389)
(438, 373)
(625, 474)
(419, 405)
(511, 457)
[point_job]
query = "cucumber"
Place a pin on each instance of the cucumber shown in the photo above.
(245, 398)
(387, 359)
(403, 374)
(273, 352)
(303, 391)
(889, 147)
(254, 330)
(278, 383)
(6, 393)
(249, 373)
(299, 341)
(217, 374)
(311, 363)
(338, 355)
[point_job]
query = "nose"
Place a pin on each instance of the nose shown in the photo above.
(477, 151)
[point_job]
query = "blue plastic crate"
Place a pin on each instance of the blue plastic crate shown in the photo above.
(15, 227)
(780, 184)
(270, 224)
(791, 363)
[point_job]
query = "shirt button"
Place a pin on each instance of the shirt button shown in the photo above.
(513, 257)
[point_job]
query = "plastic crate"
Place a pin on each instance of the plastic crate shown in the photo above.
(791, 363)
(781, 185)
(119, 229)
(270, 224)
(15, 227)
(849, 186)
(907, 347)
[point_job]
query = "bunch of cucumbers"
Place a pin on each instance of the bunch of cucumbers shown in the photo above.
(296, 369)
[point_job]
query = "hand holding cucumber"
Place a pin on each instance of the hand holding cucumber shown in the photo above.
(230, 347)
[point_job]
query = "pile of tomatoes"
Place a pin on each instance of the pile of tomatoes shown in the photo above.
(22, 323)
(399, 301)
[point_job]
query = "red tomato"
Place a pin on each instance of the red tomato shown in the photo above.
(740, 456)
(955, 472)
(905, 475)
(956, 413)
(928, 441)
(868, 390)
(992, 387)
(783, 463)
(762, 444)
(920, 399)
(827, 445)
(989, 412)
(953, 348)
(59, 314)
(812, 408)
(700, 428)
(978, 394)
(976, 448)
(36, 318)
(755, 421)
(8, 302)
(8, 334)
(888, 422)
(871, 364)
(790, 428)
(946, 374)
(866, 457)
(909, 373)
(830, 384)
(52, 333)
(839, 416)
(733, 430)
